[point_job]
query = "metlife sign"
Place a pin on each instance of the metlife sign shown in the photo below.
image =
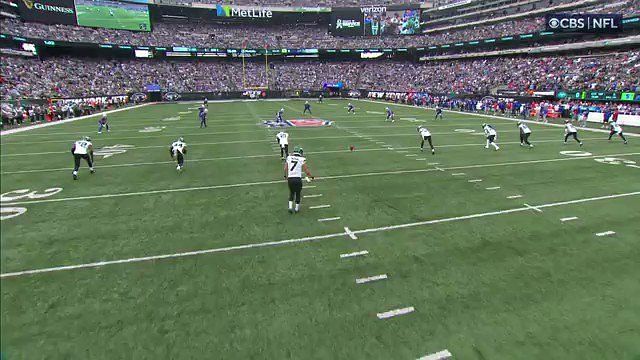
(584, 23)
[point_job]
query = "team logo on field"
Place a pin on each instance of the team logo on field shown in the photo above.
(308, 122)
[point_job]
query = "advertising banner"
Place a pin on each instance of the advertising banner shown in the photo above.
(584, 23)
(375, 21)
(48, 11)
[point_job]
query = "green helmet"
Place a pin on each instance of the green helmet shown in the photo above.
(298, 150)
(86, 138)
(181, 139)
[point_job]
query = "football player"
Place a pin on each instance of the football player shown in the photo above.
(525, 132)
(82, 149)
(293, 168)
(390, 115)
(320, 98)
(491, 135)
(351, 109)
(283, 140)
(438, 112)
(425, 135)
(616, 129)
(570, 130)
(307, 107)
(177, 150)
(103, 123)
(202, 114)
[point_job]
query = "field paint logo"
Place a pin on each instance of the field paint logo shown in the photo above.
(174, 118)
(308, 122)
(615, 161)
(8, 212)
(108, 151)
(576, 153)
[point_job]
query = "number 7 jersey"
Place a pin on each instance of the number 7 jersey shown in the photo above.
(294, 166)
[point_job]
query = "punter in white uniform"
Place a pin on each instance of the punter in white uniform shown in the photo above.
(178, 149)
(293, 168)
(82, 149)
(570, 130)
(616, 129)
(283, 140)
(491, 135)
(525, 132)
(425, 135)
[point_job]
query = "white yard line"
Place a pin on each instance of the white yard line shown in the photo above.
(354, 254)
(395, 312)
(532, 207)
(458, 174)
(309, 238)
(53, 123)
(493, 188)
(569, 218)
(329, 219)
(421, 159)
(350, 233)
(439, 168)
(371, 279)
(475, 180)
(382, 173)
(606, 233)
(514, 197)
(319, 207)
(312, 196)
(411, 155)
(440, 355)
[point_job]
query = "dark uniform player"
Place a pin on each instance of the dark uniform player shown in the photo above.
(307, 107)
(177, 150)
(438, 112)
(390, 115)
(205, 102)
(103, 123)
(82, 149)
(351, 108)
(320, 98)
(570, 130)
(616, 129)
(202, 114)
(425, 135)
(293, 168)
(525, 132)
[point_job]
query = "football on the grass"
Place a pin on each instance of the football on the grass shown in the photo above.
(351, 147)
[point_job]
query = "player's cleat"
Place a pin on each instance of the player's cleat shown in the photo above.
(290, 211)
(625, 142)
(521, 144)
(75, 177)
(433, 151)
(486, 147)
(421, 150)
(99, 132)
(530, 146)
(581, 143)
(92, 171)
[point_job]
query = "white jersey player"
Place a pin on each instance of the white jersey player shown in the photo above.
(425, 135)
(82, 149)
(570, 130)
(283, 141)
(491, 134)
(616, 129)
(294, 166)
(525, 132)
(178, 149)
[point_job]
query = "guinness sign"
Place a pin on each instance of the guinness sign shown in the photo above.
(48, 11)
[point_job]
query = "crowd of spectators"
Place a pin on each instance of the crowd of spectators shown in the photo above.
(70, 77)
(272, 36)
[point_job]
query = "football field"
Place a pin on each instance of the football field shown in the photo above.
(521, 253)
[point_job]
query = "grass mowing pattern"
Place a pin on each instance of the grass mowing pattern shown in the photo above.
(514, 286)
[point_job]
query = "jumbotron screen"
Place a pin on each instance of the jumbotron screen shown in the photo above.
(374, 21)
(113, 15)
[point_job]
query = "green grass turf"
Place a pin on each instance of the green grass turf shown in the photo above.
(510, 286)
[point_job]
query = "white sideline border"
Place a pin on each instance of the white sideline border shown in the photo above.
(381, 173)
(309, 238)
(52, 123)
(496, 117)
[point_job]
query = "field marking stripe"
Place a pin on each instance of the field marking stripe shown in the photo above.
(350, 233)
(354, 254)
(440, 355)
(395, 312)
(458, 174)
(606, 233)
(532, 207)
(251, 156)
(493, 188)
(475, 180)
(569, 218)
(329, 219)
(319, 207)
(226, 186)
(308, 238)
(312, 196)
(371, 279)
(514, 197)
